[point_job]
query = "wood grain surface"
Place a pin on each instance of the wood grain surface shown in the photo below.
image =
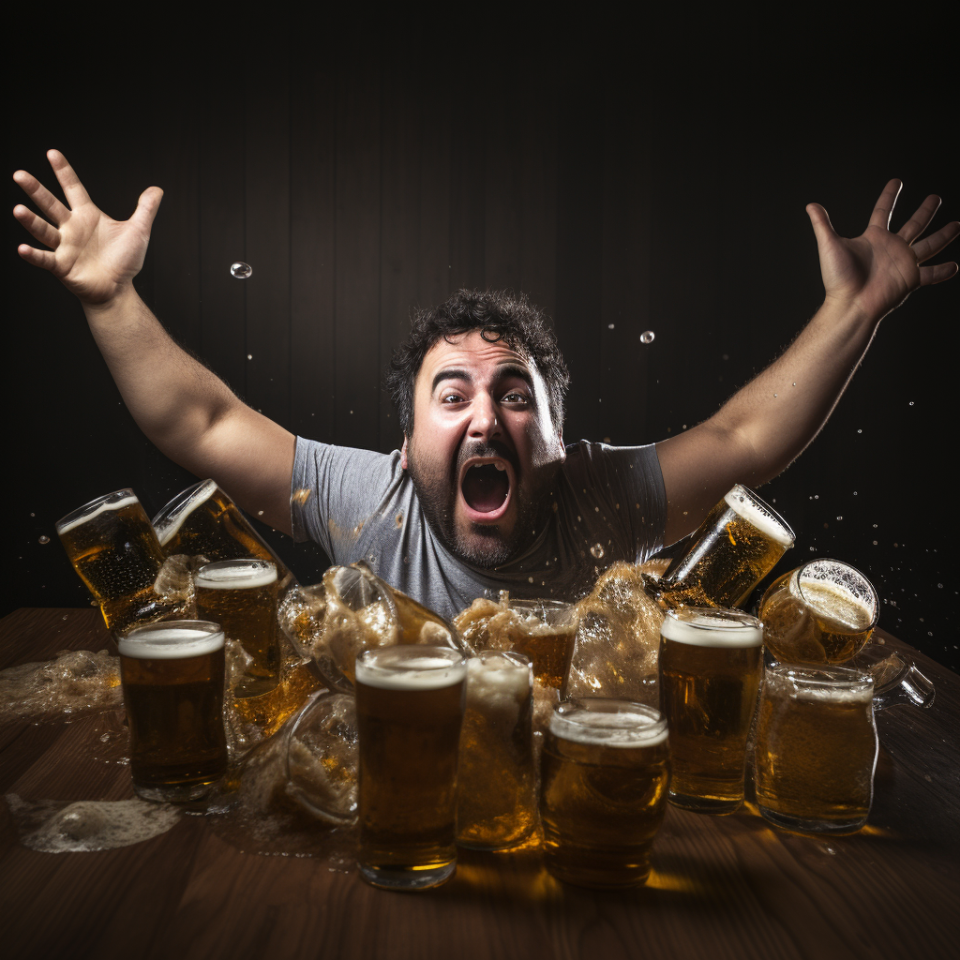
(724, 887)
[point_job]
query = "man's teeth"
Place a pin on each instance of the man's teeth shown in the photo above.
(500, 466)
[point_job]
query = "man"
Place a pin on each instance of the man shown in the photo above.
(483, 495)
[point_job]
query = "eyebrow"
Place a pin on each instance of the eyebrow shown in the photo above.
(507, 370)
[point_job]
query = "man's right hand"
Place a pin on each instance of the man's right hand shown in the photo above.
(94, 256)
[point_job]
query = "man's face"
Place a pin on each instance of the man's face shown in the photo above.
(484, 449)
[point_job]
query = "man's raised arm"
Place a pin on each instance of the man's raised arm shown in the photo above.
(758, 432)
(186, 411)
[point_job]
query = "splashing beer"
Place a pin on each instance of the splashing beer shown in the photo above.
(736, 546)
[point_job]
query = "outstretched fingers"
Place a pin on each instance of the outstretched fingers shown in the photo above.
(41, 196)
(37, 227)
(73, 189)
(930, 246)
(885, 204)
(937, 273)
(39, 258)
(920, 220)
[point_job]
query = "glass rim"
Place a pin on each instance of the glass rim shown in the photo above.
(203, 629)
(515, 658)
(170, 512)
(552, 613)
(411, 651)
(762, 504)
(247, 572)
(648, 726)
(871, 589)
(831, 676)
(73, 515)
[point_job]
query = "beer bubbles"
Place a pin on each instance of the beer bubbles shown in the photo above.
(647, 336)
(241, 270)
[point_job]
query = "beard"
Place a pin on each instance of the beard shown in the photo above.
(486, 546)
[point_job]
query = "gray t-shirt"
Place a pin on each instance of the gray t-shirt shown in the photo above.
(608, 504)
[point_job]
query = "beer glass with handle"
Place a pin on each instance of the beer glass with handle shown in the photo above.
(410, 701)
(816, 748)
(115, 552)
(172, 674)
(823, 612)
(603, 793)
(710, 666)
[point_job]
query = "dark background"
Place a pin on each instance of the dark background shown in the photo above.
(626, 180)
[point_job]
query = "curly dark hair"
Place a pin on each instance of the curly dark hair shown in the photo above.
(499, 315)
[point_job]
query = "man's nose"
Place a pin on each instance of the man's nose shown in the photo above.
(484, 422)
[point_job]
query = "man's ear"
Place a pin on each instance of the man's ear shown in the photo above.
(403, 454)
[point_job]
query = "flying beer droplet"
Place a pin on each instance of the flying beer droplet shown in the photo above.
(647, 336)
(44, 539)
(241, 270)
(597, 550)
(301, 496)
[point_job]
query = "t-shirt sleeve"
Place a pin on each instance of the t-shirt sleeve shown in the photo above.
(335, 490)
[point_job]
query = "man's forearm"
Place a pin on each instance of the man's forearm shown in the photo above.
(174, 398)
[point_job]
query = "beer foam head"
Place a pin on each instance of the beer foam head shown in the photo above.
(712, 627)
(410, 667)
(498, 673)
(608, 723)
(112, 501)
(752, 509)
(169, 520)
(837, 592)
(172, 640)
(236, 574)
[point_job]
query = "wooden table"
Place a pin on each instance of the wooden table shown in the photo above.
(724, 887)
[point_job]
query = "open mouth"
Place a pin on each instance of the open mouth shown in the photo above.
(485, 487)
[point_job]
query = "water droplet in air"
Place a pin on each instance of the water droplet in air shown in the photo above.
(911, 403)
(609, 326)
(44, 539)
(647, 336)
(597, 550)
(249, 356)
(241, 270)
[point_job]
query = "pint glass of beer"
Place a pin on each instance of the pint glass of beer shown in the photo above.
(710, 664)
(173, 678)
(816, 748)
(822, 612)
(242, 595)
(496, 782)
(737, 545)
(603, 793)
(115, 552)
(410, 701)
(545, 632)
(202, 521)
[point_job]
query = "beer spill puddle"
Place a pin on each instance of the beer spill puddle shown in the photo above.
(57, 826)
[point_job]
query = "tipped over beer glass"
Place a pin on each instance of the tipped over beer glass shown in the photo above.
(603, 793)
(410, 701)
(242, 596)
(115, 552)
(496, 782)
(823, 612)
(736, 546)
(172, 675)
(816, 748)
(710, 666)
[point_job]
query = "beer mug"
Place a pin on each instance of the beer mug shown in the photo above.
(603, 792)
(496, 781)
(822, 612)
(242, 595)
(172, 674)
(115, 552)
(816, 748)
(409, 701)
(545, 633)
(710, 664)
(736, 546)
(202, 521)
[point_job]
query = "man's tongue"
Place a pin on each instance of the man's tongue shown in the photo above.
(485, 488)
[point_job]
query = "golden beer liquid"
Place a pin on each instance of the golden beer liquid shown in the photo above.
(601, 807)
(248, 614)
(708, 695)
(174, 707)
(496, 783)
(116, 554)
(204, 522)
(815, 756)
(819, 623)
(736, 546)
(409, 737)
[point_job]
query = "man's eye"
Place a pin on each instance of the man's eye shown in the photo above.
(514, 397)
(451, 398)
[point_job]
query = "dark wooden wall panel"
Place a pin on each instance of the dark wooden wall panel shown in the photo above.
(357, 297)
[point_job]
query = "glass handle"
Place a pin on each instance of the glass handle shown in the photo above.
(914, 687)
